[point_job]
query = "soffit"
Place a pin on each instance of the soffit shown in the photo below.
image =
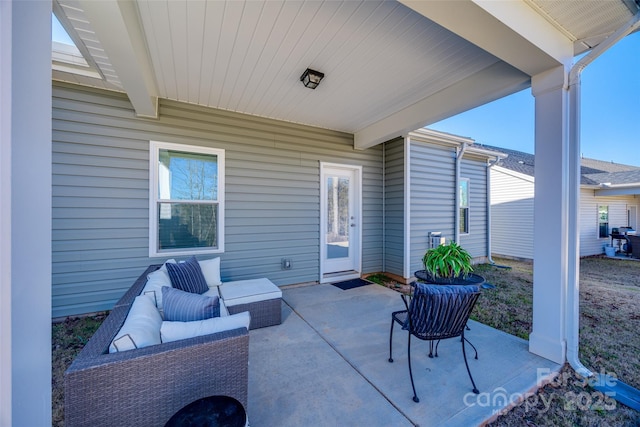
(378, 57)
(72, 17)
(587, 23)
(387, 68)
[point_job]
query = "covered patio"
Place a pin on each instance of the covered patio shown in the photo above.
(391, 68)
(326, 364)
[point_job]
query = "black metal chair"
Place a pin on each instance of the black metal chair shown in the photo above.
(436, 312)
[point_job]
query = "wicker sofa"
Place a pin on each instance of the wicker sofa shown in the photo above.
(146, 386)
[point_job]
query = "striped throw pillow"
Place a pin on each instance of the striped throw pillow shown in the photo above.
(181, 306)
(187, 276)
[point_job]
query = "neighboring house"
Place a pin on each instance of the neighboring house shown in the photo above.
(609, 198)
(271, 201)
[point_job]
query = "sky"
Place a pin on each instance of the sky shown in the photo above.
(610, 123)
(58, 33)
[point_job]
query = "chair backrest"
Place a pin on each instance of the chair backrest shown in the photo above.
(440, 311)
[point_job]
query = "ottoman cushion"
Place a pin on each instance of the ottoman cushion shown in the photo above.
(249, 291)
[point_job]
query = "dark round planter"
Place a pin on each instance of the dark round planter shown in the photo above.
(212, 411)
(469, 279)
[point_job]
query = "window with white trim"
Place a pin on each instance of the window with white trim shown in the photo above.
(186, 201)
(464, 205)
(603, 221)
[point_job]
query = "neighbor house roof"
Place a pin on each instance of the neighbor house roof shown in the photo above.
(593, 172)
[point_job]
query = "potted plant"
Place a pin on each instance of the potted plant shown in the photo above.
(448, 264)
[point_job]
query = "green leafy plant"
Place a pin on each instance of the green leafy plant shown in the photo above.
(447, 261)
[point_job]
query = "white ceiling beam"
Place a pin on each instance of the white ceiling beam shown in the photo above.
(117, 26)
(493, 82)
(509, 30)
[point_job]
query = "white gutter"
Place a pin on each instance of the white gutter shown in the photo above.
(490, 164)
(456, 224)
(606, 185)
(407, 206)
(573, 291)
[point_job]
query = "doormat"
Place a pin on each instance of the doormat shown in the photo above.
(350, 284)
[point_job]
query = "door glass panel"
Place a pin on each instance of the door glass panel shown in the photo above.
(337, 217)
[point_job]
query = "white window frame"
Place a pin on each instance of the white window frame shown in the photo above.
(602, 222)
(154, 198)
(467, 207)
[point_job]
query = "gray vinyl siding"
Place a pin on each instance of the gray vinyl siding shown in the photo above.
(394, 207)
(101, 193)
(511, 214)
(475, 242)
(432, 189)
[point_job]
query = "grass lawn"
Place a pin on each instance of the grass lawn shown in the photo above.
(609, 342)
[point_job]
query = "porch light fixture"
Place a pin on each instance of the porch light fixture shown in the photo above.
(311, 78)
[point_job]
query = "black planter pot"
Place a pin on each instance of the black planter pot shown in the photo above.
(468, 279)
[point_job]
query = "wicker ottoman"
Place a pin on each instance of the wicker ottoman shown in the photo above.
(260, 297)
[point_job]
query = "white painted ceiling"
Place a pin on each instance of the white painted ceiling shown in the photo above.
(380, 58)
(248, 57)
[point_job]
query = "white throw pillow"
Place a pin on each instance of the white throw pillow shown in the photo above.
(211, 271)
(174, 331)
(141, 328)
(153, 289)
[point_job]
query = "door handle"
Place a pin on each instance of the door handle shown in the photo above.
(353, 225)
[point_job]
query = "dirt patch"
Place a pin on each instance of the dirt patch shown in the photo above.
(67, 339)
(384, 280)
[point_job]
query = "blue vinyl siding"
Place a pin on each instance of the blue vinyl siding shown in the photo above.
(394, 207)
(432, 196)
(101, 193)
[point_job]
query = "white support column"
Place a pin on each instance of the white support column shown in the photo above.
(5, 213)
(551, 214)
(25, 213)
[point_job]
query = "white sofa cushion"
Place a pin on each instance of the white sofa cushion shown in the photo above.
(211, 271)
(153, 289)
(174, 331)
(141, 328)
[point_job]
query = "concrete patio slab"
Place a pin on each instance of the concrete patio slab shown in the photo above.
(327, 365)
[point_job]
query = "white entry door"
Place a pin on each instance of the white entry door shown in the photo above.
(341, 229)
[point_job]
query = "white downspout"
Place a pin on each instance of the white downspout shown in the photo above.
(573, 306)
(456, 224)
(490, 164)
